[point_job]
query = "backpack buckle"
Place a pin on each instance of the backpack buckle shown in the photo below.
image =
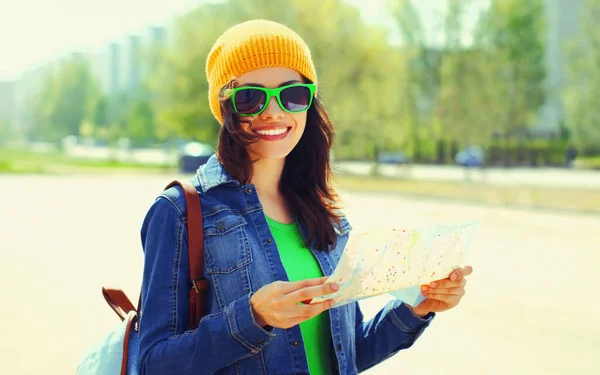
(200, 285)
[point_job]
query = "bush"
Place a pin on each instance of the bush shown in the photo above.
(536, 153)
(588, 162)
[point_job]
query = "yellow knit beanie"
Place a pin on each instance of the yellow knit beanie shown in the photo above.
(252, 45)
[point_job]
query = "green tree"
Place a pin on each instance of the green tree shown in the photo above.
(582, 93)
(67, 97)
(460, 96)
(100, 112)
(419, 79)
(139, 124)
(511, 36)
(99, 118)
(6, 132)
(179, 87)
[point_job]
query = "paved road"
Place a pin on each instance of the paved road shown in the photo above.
(531, 305)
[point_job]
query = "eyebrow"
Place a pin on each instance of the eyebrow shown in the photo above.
(281, 85)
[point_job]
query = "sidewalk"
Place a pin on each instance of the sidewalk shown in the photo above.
(546, 177)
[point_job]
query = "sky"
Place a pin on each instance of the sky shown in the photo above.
(36, 31)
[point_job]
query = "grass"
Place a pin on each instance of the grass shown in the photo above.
(588, 162)
(557, 199)
(19, 161)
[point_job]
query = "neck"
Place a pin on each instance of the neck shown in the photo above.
(266, 174)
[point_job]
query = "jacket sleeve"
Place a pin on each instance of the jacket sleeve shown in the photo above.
(394, 328)
(221, 338)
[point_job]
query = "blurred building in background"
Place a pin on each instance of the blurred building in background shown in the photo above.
(119, 66)
(122, 66)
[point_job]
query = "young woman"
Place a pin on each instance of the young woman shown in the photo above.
(272, 234)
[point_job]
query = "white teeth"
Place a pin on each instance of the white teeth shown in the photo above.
(272, 132)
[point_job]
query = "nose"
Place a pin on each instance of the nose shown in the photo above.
(273, 111)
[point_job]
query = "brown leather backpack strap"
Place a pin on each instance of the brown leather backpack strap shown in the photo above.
(195, 231)
(131, 320)
(118, 301)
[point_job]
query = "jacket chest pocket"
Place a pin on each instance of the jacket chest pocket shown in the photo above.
(227, 248)
(227, 255)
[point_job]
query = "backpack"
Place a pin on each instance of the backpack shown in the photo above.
(118, 352)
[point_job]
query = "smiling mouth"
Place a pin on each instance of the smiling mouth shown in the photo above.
(273, 132)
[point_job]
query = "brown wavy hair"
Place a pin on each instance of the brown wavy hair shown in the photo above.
(306, 178)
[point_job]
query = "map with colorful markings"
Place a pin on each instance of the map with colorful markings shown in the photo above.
(398, 261)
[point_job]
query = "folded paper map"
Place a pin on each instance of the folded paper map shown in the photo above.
(398, 261)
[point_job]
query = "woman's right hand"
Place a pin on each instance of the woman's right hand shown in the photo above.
(277, 304)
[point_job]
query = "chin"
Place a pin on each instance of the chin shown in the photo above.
(272, 154)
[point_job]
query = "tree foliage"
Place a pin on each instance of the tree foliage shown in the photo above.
(582, 93)
(67, 98)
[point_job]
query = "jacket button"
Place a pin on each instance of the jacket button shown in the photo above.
(339, 347)
(295, 343)
(249, 190)
(269, 240)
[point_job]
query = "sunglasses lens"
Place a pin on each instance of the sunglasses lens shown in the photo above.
(296, 98)
(249, 101)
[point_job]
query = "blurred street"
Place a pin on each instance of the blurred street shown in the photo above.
(530, 306)
(545, 177)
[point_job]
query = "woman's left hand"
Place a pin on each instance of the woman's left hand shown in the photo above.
(442, 295)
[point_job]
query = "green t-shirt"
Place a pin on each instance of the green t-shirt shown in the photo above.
(301, 264)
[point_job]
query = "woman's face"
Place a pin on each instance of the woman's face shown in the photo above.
(279, 131)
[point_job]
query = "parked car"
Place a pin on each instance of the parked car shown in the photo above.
(392, 158)
(193, 155)
(471, 156)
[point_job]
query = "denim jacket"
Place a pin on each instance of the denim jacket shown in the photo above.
(241, 257)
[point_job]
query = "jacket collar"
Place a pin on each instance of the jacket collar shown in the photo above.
(213, 174)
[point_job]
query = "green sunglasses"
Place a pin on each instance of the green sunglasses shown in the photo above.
(253, 100)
